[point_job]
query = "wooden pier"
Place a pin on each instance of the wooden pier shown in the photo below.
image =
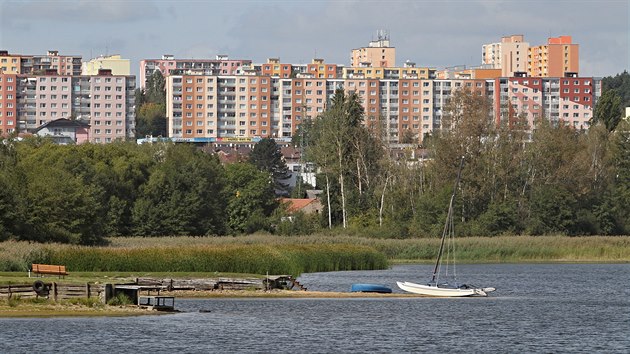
(158, 303)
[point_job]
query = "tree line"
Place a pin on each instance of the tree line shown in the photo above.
(545, 179)
(81, 194)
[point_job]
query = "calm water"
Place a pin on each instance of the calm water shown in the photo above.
(581, 308)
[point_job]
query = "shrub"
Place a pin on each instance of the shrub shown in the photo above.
(119, 300)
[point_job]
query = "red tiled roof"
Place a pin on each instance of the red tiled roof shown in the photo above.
(295, 204)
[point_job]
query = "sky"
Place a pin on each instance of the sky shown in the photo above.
(432, 33)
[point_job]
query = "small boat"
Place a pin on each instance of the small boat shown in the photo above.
(449, 287)
(370, 288)
(444, 290)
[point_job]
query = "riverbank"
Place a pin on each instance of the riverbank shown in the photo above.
(27, 308)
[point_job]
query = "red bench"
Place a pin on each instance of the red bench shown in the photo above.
(49, 269)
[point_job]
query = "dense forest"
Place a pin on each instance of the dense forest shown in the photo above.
(546, 179)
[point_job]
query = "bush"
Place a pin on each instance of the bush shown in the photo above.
(119, 300)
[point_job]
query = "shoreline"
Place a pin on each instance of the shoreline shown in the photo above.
(51, 309)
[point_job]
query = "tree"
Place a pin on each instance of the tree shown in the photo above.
(61, 202)
(608, 110)
(469, 131)
(154, 88)
(151, 120)
(151, 107)
(251, 198)
(620, 83)
(621, 184)
(267, 157)
(334, 136)
(408, 137)
(183, 195)
(302, 134)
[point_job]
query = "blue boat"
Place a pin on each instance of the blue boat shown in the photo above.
(370, 288)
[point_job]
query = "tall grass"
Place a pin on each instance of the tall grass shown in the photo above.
(468, 249)
(259, 254)
(227, 258)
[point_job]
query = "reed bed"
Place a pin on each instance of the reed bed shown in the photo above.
(468, 249)
(258, 258)
(259, 253)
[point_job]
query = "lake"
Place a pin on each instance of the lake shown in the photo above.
(540, 308)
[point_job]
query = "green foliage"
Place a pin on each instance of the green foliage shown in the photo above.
(151, 107)
(120, 300)
(348, 155)
(499, 218)
(302, 135)
(252, 198)
(154, 88)
(151, 120)
(298, 224)
(552, 211)
(182, 195)
(608, 110)
(267, 157)
(620, 84)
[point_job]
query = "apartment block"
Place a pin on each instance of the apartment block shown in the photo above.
(246, 108)
(318, 69)
(556, 58)
(104, 101)
(510, 55)
(568, 100)
(407, 71)
(38, 64)
(10, 63)
(378, 53)
(109, 107)
(8, 103)
(115, 63)
(274, 67)
(462, 72)
(168, 65)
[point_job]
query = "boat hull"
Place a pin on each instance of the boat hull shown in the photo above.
(431, 290)
(370, 288)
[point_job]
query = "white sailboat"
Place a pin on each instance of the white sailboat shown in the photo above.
(446, 285)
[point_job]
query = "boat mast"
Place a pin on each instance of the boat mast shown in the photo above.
(447, 224)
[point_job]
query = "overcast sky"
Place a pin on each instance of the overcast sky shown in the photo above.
(439, 33)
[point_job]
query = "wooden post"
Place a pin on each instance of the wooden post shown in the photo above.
(87, 290)
(54, 289)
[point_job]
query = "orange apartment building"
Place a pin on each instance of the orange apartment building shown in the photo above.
(554, 59)
(273, 67)
(321, 70)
